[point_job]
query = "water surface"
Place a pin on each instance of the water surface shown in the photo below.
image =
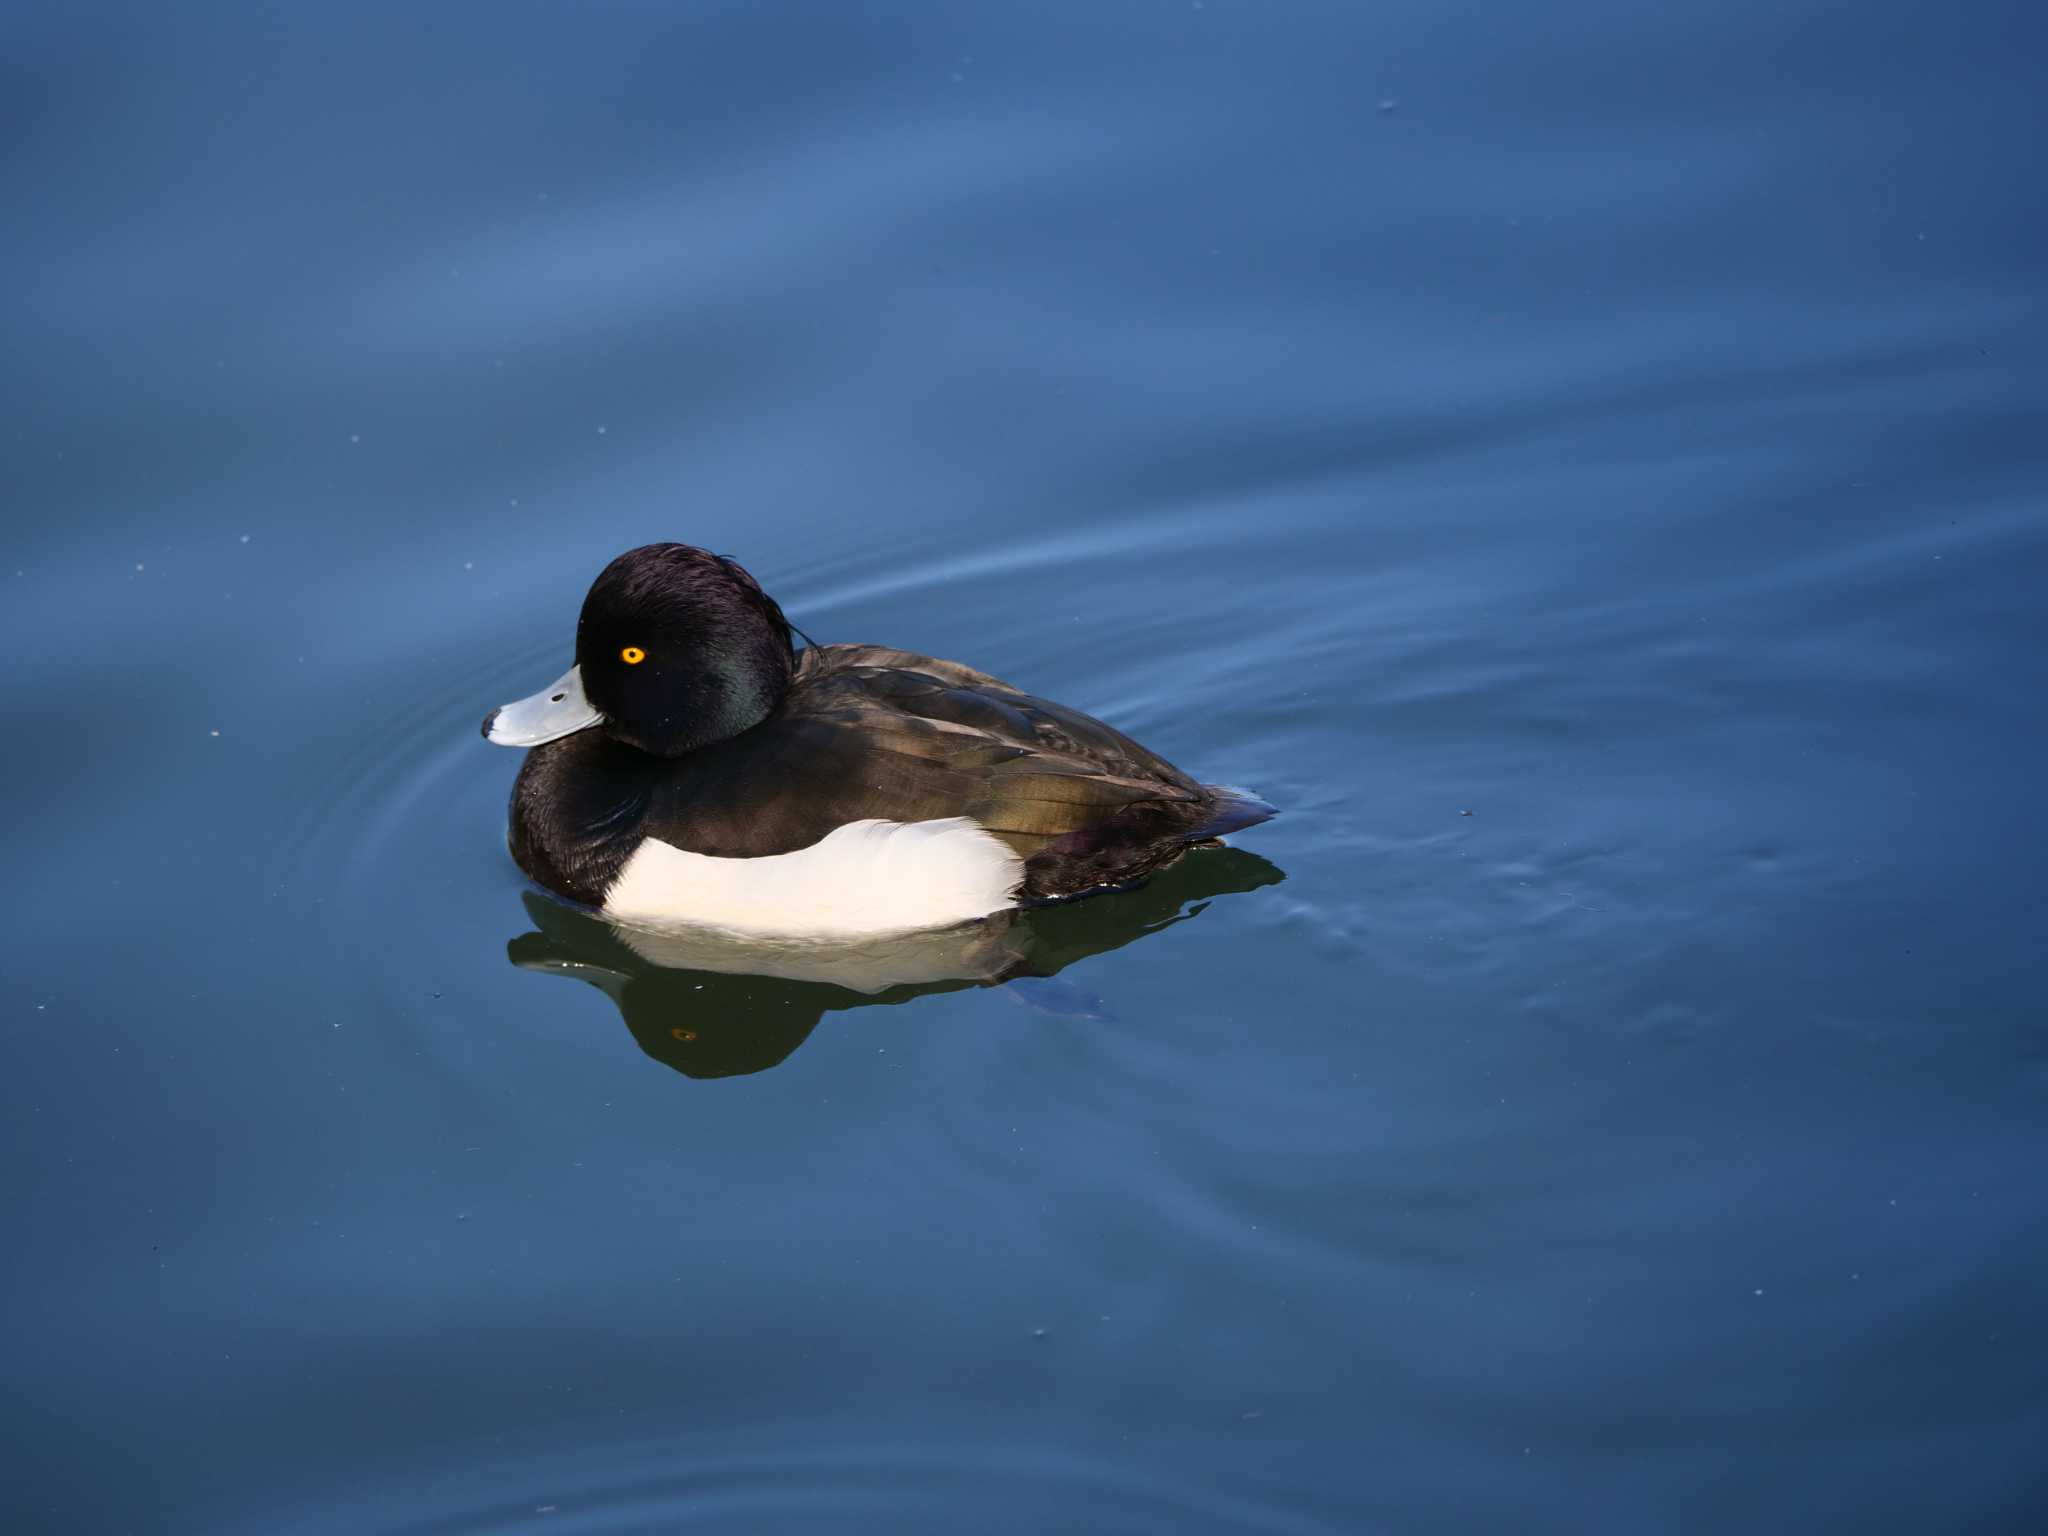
(1585, 464)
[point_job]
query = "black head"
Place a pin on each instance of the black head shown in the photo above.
(679, 648)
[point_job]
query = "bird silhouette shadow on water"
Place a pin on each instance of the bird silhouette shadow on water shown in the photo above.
(712, 1005)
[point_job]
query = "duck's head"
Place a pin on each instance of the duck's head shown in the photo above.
(676, 648)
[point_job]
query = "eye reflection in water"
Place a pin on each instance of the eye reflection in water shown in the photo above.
(712, 1005)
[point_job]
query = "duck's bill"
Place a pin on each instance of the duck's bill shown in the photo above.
(558, 710)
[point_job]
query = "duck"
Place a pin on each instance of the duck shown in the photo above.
(696, 767)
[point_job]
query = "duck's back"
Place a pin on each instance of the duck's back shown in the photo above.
(873, 734)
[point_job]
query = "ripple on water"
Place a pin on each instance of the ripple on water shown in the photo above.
(896, 1486)
(393, 863)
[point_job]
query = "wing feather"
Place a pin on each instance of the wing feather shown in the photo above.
(872, 733)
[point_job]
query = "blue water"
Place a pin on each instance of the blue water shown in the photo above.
(1585, 463)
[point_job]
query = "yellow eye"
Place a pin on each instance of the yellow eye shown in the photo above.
(632, 655)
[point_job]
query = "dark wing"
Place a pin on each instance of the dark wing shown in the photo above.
(877, 681)
(869, 732)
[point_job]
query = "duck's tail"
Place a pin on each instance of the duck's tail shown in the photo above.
(1234, 810)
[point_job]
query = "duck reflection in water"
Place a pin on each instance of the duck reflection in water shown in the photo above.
(711, 1005)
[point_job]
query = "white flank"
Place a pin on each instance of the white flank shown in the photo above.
(865, 877)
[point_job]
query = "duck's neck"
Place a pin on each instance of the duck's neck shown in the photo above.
(577, 810)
